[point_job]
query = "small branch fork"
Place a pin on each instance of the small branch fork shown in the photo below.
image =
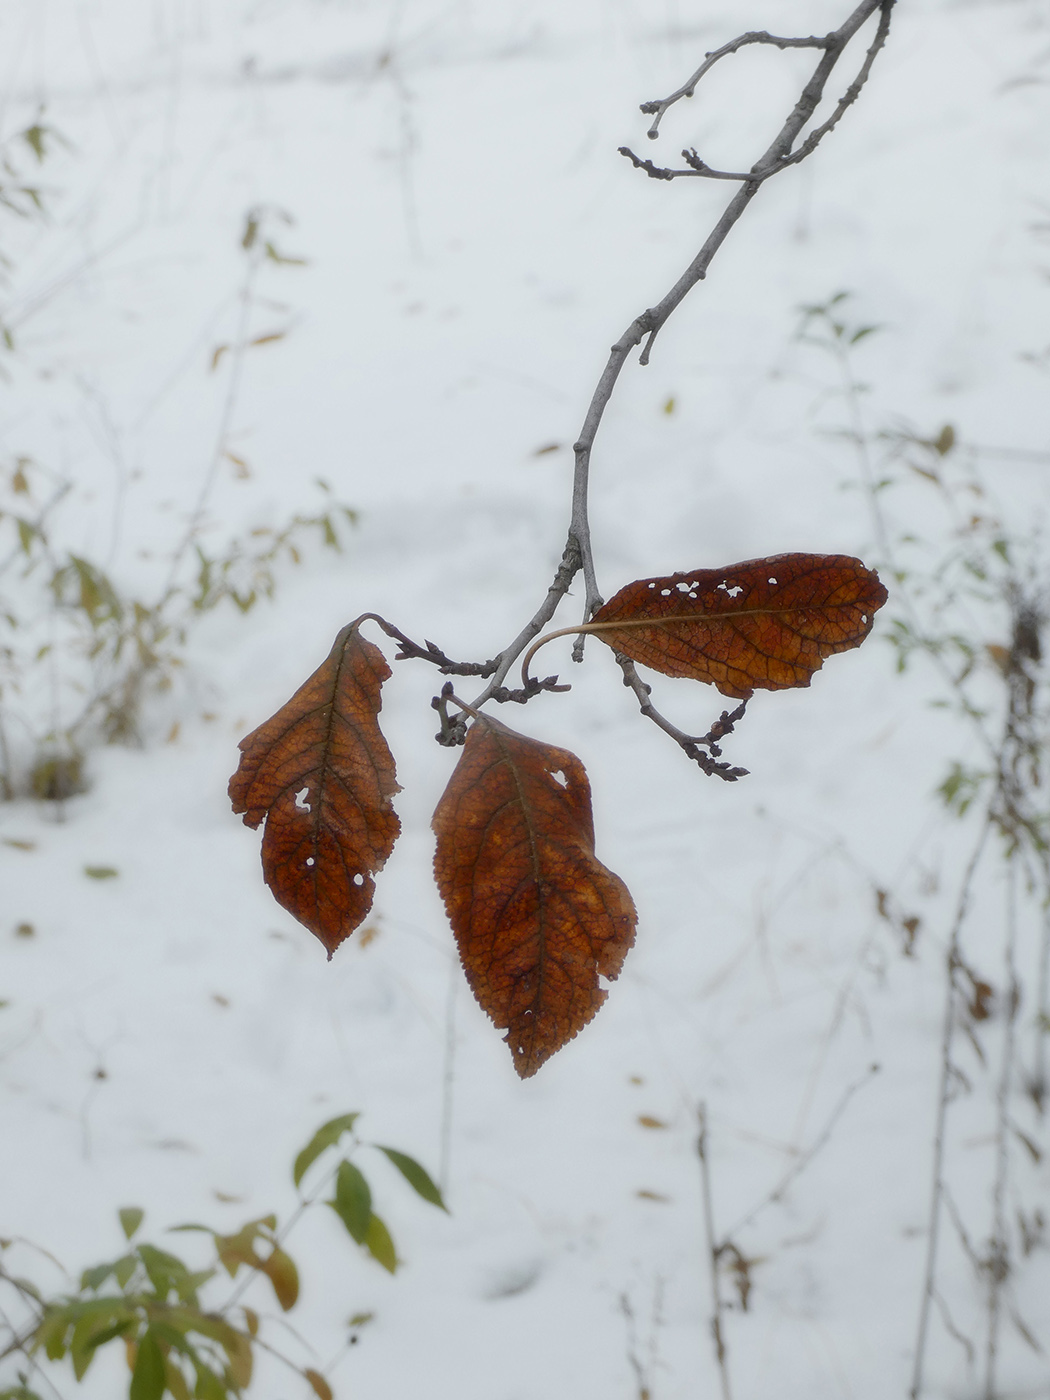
(577, 556)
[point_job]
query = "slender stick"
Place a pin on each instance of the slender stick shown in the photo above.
(937, 1188)
(999, 1249)
(711, 1241)
(448, 1078)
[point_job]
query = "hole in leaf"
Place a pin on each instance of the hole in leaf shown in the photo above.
(300, 799)
(359, 879)
(771, 580)
(560, 779)
(309, 860)
(665, 593)
(603, 982)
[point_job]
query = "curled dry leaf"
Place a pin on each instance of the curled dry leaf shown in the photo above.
(322, 775)
(536, 916)
(765, 623)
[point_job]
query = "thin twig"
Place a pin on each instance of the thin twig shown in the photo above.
(999, 1249)
(408, 650)
(648, 325)
(229, 405)
(713, 1252)
(805, 1158)
(688, 743)
(952, 1330)
(578, 554)
(754, 36)
(448, 1078)
(937, 1188)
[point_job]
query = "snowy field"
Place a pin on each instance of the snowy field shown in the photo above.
(472, 245)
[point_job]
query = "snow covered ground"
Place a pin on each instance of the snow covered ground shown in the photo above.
(474, 243)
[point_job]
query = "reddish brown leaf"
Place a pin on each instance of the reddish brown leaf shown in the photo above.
(537, 918)
(765, 623)
(321, 774)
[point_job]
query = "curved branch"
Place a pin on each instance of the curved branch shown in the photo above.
(754, 36)
(645, 327)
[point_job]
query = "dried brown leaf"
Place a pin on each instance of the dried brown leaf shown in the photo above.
(765, 623)
(322, 775)
(536, 916)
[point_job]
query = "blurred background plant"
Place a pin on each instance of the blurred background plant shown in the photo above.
(83, 645)
(970, 597)
(180, 1335)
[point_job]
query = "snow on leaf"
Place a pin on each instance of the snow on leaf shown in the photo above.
(765, 624)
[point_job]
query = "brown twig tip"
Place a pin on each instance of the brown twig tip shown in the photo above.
(654, 172)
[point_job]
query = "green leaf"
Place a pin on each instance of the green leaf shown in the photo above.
(326, 1136)
(130, 1216)
(282, 259)
(27, 533)
(97, 1327)
(353, 1201)
(281, 1271)
(176, 1381)
(238, 1350)
(380, 1246)
(166, 1272)
(33, 136)
(95, 1277)
(124, 1268)
(209, 1386)
(117, 1329)
(415, 1175)
(51, 1335)
(102, 872)
(148, 1381)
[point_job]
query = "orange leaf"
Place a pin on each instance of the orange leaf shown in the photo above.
(537, 918)
(765, 623)
(321, 774)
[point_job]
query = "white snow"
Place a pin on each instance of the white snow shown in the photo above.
(474, 244)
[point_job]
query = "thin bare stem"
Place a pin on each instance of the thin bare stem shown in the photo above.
(998, 1262)
(448, 1078)
(710, 1242)
(688, 88)
(805, 1158)
(1039, 1084)
(937, 1188)
(229, 407)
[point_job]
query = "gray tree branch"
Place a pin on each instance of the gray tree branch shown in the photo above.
(781, 154)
